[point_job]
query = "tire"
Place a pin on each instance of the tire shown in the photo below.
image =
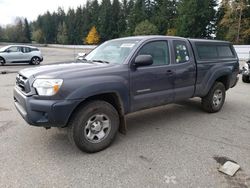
(2, 61)
(94, 126)
(35, 61)
(245, 79)
(215, 98)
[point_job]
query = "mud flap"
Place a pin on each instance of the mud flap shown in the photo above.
(123, 125)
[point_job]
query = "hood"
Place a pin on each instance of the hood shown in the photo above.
(62, 70)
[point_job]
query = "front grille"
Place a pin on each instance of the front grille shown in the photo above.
(22, 83)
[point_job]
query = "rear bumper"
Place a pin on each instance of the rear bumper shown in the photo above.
(44, 113)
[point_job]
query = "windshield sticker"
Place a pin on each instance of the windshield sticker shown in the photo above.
(127, 45)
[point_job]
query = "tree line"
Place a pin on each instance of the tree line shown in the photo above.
(96, 22)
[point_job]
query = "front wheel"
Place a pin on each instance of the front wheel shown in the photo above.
(215, 98)
(2, 61)
(94, 126)
(35, 61)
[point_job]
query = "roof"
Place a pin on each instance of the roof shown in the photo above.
(21, 46)
(168, 37)
(148, 37)
(207, 40)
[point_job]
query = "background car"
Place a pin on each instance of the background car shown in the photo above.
(246, 72)
(20, 54)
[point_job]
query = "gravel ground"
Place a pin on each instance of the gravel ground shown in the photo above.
(177, 145)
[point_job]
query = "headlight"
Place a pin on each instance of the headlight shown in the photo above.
(47, 87)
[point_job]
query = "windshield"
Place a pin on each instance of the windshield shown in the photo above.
(115, 51)
(3, 48)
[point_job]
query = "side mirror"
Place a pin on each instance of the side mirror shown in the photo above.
(81, 56)
(143, 60)
(8, 51)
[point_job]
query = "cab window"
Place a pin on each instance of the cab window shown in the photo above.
(181, 52)
(158, 50)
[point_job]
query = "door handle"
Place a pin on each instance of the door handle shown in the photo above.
(169, 72)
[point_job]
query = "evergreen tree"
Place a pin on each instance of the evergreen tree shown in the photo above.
(105, 20)
(1, 34)
(196, 18)
(19, 31)
(27, 32)
(127, 9)
(71, 26)
(78, 25)
(62, 35)
(165, 15)
(137, 15)
(94, 12)
(87, 18)
(149, 7)
(116, 19)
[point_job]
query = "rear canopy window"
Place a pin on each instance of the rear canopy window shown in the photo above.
(216, 51)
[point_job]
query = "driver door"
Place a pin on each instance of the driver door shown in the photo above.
(152, 85)
(13, 54)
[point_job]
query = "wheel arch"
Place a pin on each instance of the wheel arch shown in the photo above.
(112, 98)
(3, 58)
(35, 57)
(225, 80)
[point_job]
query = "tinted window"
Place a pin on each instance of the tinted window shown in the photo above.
(34, 49)
(26, 50)
(225, 51)
(181, 52)
(158, 50)
(208, 51)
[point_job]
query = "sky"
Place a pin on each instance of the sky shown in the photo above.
(10, 9)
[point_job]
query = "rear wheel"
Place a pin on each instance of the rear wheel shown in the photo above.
(215, 98)
(35, 61)
(94, 126)
(245, 78)
(2, 61)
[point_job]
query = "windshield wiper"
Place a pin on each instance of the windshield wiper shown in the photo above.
(100, 61)
(84, 60)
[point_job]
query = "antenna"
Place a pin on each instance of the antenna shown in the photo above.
(74, 46)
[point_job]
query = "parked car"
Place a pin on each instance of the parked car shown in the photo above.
(246, 72)
(121, 76)
(20, 54)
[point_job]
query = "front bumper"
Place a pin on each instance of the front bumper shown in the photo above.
(246, 72)
(44, 113)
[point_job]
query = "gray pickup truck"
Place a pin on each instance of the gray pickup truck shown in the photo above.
(91, 98)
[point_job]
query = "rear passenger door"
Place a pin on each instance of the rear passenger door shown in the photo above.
(26, 53)
(185, 70)
(152, 85)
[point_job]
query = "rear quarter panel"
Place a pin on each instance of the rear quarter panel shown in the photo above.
(208, 71)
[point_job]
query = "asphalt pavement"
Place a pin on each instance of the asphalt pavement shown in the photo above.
(177, 145)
